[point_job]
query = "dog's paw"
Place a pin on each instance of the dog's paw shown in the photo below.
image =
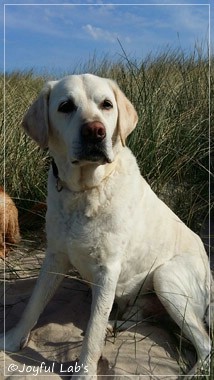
(201, 368)
(12, 341)
(86, 372)
(85, 376)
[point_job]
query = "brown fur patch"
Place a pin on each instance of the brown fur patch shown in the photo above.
(9, 225)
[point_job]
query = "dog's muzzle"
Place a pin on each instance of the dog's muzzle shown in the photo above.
(93, 143)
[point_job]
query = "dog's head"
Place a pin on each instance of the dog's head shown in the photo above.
(85, 117)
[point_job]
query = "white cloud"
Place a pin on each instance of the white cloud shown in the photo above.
(100, 34)
(192, 18)
(32, 19)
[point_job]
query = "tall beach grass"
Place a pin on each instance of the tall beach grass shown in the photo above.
(171, 93)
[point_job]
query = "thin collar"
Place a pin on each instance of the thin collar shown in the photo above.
(59, 186)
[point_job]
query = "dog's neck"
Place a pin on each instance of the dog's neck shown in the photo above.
(81, 178)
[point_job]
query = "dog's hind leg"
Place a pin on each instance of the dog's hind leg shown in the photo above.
(51, 275)
(184, 299)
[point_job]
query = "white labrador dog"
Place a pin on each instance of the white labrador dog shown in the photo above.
(104, 219)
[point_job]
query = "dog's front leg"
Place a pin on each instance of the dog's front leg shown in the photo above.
(51, 274)
(103, 294)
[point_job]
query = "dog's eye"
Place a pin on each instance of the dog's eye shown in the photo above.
(106, 104)
(67, 106)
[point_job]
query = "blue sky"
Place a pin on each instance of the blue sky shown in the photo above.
(53, 36)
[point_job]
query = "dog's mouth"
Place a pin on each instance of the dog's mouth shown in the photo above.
(93, 154)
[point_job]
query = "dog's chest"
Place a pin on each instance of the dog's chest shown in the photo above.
(84, 229)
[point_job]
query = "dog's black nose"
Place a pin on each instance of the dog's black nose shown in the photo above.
(93, 131)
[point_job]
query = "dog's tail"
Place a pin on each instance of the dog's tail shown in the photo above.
(209, 314)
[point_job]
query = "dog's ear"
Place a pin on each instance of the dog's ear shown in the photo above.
(127, 115)
(35, 122)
